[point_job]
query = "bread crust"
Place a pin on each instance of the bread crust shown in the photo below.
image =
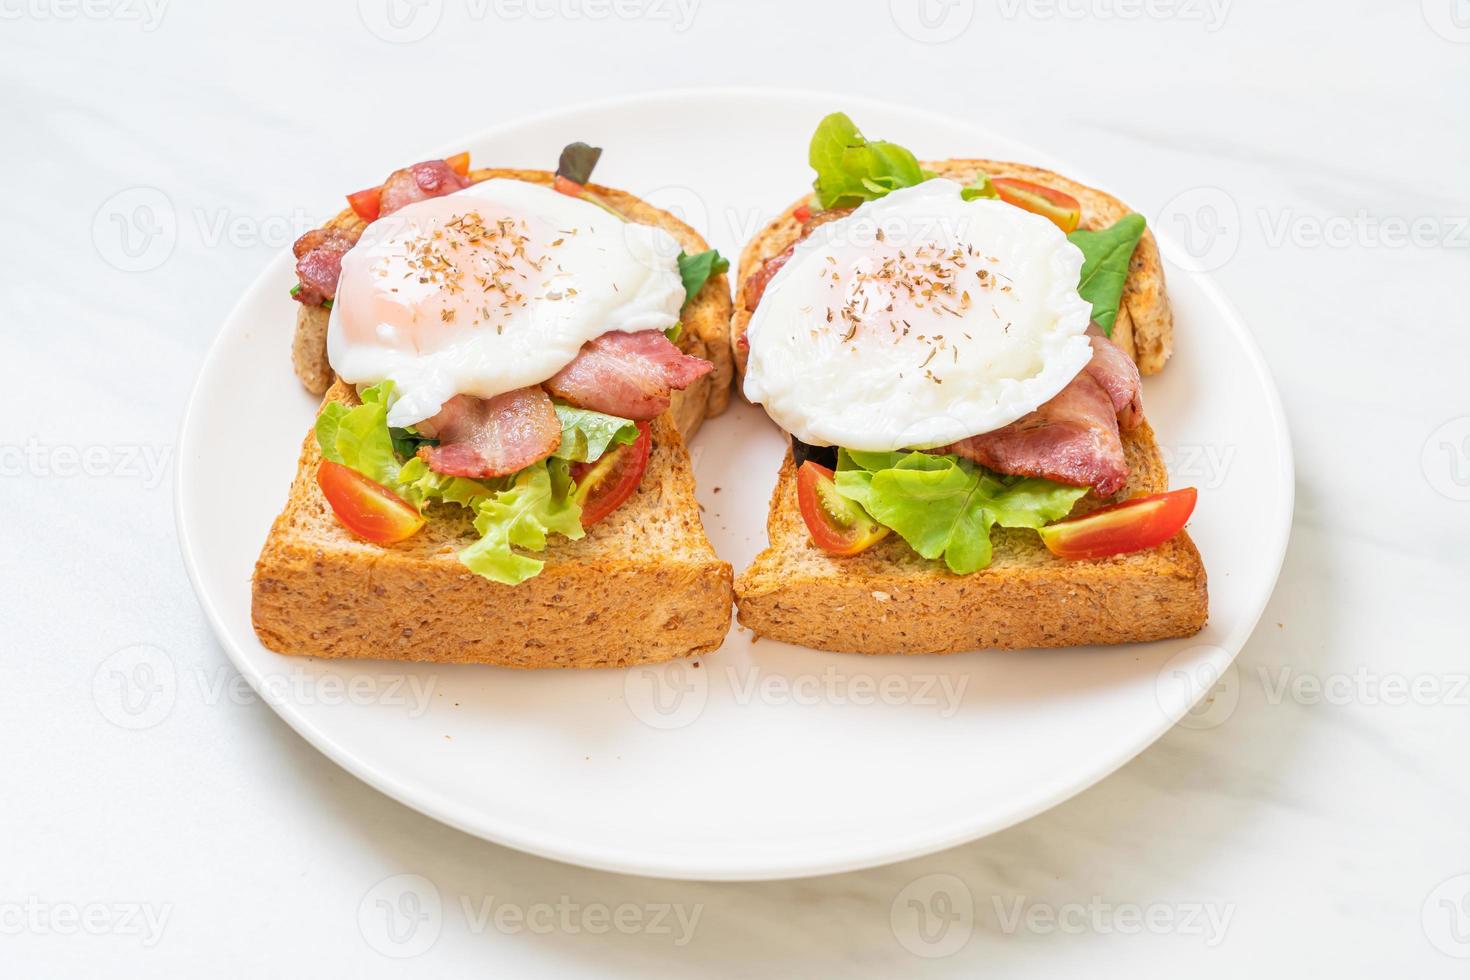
(1145, 324)
(643, 586)
(706, 318)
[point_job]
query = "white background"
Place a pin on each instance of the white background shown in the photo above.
(1324, 822)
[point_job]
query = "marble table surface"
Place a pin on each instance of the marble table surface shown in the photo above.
(1312, 152)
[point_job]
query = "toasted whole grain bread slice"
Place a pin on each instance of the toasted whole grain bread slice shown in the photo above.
(643, 586)
(706, 319)
(888, 599)
(1145, 325)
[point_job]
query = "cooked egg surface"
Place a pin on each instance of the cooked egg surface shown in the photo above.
(918, 320)
(492, 288)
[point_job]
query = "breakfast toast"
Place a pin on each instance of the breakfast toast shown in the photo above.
(888, 599)
(636, 583)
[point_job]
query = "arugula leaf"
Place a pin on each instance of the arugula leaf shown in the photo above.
(586, 435)
(521, 516)
(944, 506)
(695, 270)
(852, 169)
(1105, 258)
(576, 162)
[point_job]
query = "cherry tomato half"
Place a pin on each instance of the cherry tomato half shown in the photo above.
(1062, 210)
(568, 186)
(603, 486)
(367, 509)
(367, 204)
(1133, 525)
(836, 524)
(459, 163)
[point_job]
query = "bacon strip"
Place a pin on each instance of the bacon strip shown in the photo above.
(1072, 439)
(432, 178)
(755, 286)
(627, 374)
(1118, 375)
(319, 251)
(485, 437)
(319, 262)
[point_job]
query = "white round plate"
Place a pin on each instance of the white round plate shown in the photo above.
(762, 760)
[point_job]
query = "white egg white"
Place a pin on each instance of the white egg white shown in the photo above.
(916, 321)
(492, 288)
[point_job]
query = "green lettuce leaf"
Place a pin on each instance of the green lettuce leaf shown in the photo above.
(517, 511)
(852, 169)
(944, 506)
(979, 187)
(521, 516)
(586, 435)
(1105, 258)
(695, 270)
(420, 485)
(358, 437)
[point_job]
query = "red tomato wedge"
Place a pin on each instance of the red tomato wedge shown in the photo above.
(803, 214)
(603, 486)
(568, 186)
(459, 163)
(1133, 525)
(367, 204)
(836, 524)
(367, 509)
(1063, 210)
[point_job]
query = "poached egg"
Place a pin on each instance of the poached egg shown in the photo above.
(492, 288)
(918, 320)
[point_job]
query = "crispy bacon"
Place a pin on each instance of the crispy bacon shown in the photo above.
(755, 286)
(627, 374)
(432, 178)
(1118, 375)
(319, 262)
(1072, 439)
(485, 437)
